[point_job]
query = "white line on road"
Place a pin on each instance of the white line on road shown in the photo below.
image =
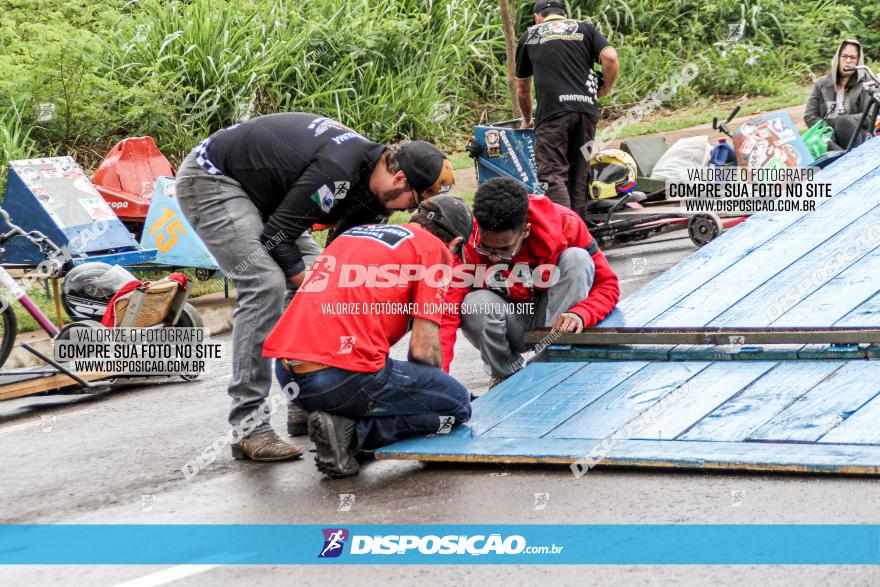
(166, 576)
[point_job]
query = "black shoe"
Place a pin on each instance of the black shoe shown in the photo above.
(297, 421)
(364, 456)
(334, 437)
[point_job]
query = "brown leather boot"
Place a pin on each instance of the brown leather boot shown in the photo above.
(265, 447)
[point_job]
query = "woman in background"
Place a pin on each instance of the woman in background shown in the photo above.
(839, 96)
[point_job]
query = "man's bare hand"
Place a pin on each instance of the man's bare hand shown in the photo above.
(568, 322)
(526, 123)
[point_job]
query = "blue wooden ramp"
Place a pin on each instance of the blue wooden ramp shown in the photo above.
(805, 408)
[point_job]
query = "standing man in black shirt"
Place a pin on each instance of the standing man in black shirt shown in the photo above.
(257, 188)
(560, 52)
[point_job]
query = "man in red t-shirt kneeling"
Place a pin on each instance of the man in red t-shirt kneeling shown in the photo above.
(356, 302)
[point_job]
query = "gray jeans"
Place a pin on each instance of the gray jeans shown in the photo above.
(498, 334)
(229, 225)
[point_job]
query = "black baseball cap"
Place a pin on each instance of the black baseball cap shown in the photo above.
(449, 213)
(426, 168)
(544, 4)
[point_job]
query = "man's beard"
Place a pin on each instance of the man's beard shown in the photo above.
(392, 195)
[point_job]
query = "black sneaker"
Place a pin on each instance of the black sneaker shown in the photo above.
(334, 437)
(297, 421)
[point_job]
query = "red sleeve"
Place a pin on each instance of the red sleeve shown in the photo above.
(603, 296)
(452, 314)
(427, 293)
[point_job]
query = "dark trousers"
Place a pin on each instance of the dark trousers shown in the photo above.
(401, 400)
(560, 161)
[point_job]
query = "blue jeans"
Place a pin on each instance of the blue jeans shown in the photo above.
(401, 400)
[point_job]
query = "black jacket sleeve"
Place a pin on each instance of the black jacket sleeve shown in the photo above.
(300, 209)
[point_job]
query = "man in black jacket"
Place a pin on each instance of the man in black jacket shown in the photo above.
(257, 188)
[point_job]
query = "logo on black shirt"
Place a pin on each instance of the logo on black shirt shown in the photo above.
(321, 124)
(554, 30)
(388, 235)
(341, 189)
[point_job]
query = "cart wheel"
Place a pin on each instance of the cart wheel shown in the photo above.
(190, 318)
(64, 334)
(704, 228)
(204, 274)
(10, 330)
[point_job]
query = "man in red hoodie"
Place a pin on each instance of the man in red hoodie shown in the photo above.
(529, 264)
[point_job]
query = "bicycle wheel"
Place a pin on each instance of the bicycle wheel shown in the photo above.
(10, 330)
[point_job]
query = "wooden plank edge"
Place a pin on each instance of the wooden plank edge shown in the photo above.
(53, 382)
(624, 462)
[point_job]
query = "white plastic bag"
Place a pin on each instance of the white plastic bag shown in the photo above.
(685, 154)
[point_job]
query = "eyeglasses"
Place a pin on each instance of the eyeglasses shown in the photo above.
(504, 253)
(416, 200)
(849, 57)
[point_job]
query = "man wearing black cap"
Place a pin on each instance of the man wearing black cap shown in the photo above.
(257, 188)
(357, 300)
(560, 52)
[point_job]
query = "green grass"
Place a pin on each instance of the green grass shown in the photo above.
(178, 70)
(461, 160)
(702, 113)
(46, 303)
(38, 295)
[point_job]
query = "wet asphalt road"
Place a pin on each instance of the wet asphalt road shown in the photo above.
(115, 458)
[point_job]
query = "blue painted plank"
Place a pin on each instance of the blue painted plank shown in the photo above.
(865, 314)
(863, 427)
(627, 401)
(702, 395)
(681, 281)
(722, 291)
(516, 391)
(824, 284)
(635, 352)
(851, 167)
(541, 415)
(746, 412)
(825, 406)
(770, 352)
(840, 295)
(737, 456)
(670, 287)
(833, 351)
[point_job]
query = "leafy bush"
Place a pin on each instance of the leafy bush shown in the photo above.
(180, 69)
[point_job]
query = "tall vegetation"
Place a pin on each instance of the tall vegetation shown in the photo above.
(180, 69)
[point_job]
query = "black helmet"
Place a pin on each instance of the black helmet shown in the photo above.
(88, 287)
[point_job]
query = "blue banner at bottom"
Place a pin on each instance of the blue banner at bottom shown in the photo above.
(440, 544)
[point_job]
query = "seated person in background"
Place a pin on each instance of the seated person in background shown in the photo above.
(334, 338)
(518, 233)
(839, 96)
